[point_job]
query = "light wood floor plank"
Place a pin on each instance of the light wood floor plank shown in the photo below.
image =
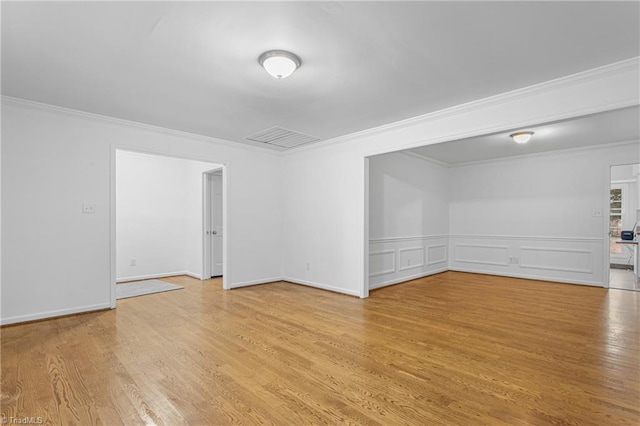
(450, 349)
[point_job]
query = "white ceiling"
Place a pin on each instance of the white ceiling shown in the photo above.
(192, 66)
(616, 126)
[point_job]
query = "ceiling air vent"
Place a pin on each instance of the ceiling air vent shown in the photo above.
(281, 137)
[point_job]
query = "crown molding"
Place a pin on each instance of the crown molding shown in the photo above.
(425, 158)
(39, 106)
(544, 154)
(518, 157)
(561, 82)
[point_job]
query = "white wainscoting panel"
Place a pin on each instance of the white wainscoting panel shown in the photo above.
(557, 259)
(576, 260)
(397, 259)
(437, 254)
(564, 259)
(382, 262)
(484, 254)
(411, 258)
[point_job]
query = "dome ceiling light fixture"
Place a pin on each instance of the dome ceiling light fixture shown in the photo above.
(279, 63)
(521, 137)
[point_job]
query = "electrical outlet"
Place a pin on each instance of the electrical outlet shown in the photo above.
(133, 262)
(514, 260)
(597, 213)
(308, 266)
(88, 208)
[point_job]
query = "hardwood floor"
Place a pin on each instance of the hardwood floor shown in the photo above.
(451, 349)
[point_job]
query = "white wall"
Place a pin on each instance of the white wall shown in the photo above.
(324, 189)
(158, 215)
(540, 216)
(408, 218)
(56, 259)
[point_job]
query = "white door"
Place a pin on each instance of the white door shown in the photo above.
(215, 230)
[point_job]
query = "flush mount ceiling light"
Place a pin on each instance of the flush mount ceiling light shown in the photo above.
(279, 63)
(521, 137)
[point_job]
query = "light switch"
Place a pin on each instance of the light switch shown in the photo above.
(88, 208)
(597, 213)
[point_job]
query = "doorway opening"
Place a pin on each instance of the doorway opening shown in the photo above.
(624, 217)
(158, 216)
(213, 224)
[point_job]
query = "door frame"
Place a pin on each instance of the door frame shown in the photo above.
(113, 148)
(206, 215)
(624, 188)
(607, 221)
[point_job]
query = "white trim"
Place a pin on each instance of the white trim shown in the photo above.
(364, 283)
(529, 238)
(485, 237)
(409, 238)
(446, 254)
(386, 271)
(323, 286)
(409, 278)
(481, 262)
(536, 89)
(425, 158)
(556, 268)
(543, 154)
(53, 314)
(226, 238)
(536, 155)
(254, 282)
(39, 106)
(113, 271)
(528, 277)
(153, 276)
(620, 182)
(401, 250)
(606, 223)
(206, 256)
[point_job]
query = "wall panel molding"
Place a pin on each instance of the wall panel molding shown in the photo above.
(561, 259)
(443, 259)
(409, 258)
(476, 250)
(587, 260)
(408, 238)
(397, 259)
(527, 238)
(390, 270)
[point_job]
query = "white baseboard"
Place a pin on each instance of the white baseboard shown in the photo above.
(322, 286)
(254, 282)
(408, 278)
(528, 277)
(53, 314)
(193, 275)
(152, 276)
